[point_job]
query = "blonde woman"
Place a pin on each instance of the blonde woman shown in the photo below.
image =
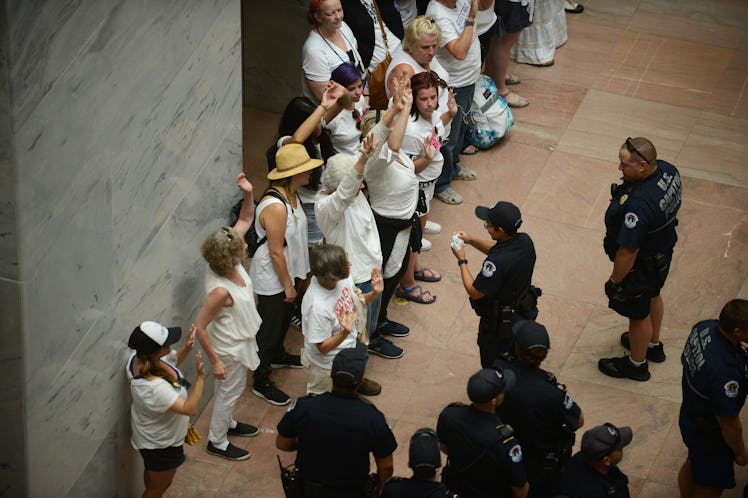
(226, 327)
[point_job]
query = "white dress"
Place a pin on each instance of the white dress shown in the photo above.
(538, 42)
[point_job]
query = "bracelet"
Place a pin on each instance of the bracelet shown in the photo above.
(289, 285)
(469, 23)
(461, 262)
(365, 94)
(323, 107)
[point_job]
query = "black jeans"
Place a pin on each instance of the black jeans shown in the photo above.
(390, 284)
(276, 317)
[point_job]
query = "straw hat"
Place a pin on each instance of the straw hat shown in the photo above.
(292, 159)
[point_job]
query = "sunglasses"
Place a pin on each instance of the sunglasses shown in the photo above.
(357, 118)
(632, 148)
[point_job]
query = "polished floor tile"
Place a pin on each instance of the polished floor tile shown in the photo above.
(675, 72)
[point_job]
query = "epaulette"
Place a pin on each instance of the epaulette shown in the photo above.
(551, 378)
(457, 403)
(506, 432)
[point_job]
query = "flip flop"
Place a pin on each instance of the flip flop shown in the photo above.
(421, 274)
(470, 150)
(405, 293)
(512, 79)
(514, 100)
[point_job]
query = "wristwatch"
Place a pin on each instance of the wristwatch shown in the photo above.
(461, 262)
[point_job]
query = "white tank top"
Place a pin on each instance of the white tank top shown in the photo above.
(266, 282)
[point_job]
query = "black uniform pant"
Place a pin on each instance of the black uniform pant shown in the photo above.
(492, 344)
(276, 317)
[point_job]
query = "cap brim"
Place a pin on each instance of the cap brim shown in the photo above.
(510, 379)
(310, 164)
(482, 212)
(175, 333)
(626, 436)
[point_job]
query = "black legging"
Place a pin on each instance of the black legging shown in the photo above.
(390, 284)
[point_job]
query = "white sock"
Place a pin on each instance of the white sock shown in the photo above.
(233, 424)
(653, 344)
(637, 363)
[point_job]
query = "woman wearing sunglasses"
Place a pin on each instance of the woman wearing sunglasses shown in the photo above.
(329, 44)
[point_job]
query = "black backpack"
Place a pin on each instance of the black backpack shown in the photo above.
(251, 237)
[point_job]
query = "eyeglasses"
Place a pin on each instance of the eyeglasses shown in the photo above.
(632, 148)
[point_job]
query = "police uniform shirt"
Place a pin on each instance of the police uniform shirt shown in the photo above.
(507, 270)
(537, 409)
(336, 433)
(643, 214)
(582, 481)
(715, 378)
(398, 487)
(467, 432)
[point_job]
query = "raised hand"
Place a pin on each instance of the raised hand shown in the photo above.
(244, 183)
(345, 318)
(199, 364)
(377, 282)
(332, 93)
(190, 342)
(368, 145)
(428, 149)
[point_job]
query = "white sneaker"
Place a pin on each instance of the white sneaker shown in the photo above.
(432, 228)
(425, 245)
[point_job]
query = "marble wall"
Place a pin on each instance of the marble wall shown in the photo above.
(118, 148)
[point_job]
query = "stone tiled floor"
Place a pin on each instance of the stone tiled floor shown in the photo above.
(673, 71)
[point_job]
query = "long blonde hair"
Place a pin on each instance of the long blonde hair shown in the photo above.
(150, 367)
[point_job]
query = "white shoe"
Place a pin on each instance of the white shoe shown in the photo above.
(425, 245)
(432, 228)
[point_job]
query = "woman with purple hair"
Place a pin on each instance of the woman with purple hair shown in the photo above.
(345, 127)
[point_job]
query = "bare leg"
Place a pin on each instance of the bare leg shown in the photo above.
(408, 280)
(656, 312)
(503, 55)
(640, 332)
(157, 482)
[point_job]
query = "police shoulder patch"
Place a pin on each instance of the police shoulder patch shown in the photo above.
(731, 389)
(568, 402)
(630, 219)
(489, 268)
(515, 453)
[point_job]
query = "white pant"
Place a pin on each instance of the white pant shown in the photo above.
(225, 395)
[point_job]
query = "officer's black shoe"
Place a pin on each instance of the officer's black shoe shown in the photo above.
(654, 354)
(623, 368)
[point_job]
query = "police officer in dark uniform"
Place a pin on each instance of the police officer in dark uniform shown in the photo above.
(501, 293)
(542, 413)
(715, 383)
(639, 239)
(484, 459)
(424, 457)
(593, 472)
(333, 434)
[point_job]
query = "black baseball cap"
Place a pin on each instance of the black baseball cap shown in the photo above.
(348, 367)
(149, 337)
(601, 441)
(529, 334)
(424, 450)
(488, 383)
(504, 215)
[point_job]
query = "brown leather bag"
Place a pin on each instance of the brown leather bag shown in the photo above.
(376, 81)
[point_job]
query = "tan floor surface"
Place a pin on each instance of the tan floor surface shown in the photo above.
(675, 72)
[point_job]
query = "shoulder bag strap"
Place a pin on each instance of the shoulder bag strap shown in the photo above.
(381, 26)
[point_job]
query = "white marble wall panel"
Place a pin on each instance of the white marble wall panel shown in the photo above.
(204, 209)
(76, 409)
(91, 112)
(96, 480)
(12, 454)
(8, 239)
(176, 137)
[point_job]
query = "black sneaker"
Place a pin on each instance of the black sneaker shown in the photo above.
(388, 327)
(655, 354)
(271, 394)
(231, 452)
(287, 360)
(244, 430)
(384, 348)
(623, 368)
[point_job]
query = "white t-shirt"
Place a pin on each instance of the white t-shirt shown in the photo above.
(319, 57)
(346, 220)
(415, 133)
(484, 19)
(452, 23)
(154, 426)
(319, 310)
(266, 281)
(345, 136)
(408, 11)
(233, 329)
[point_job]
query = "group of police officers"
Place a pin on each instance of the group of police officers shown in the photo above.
(515, 438)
